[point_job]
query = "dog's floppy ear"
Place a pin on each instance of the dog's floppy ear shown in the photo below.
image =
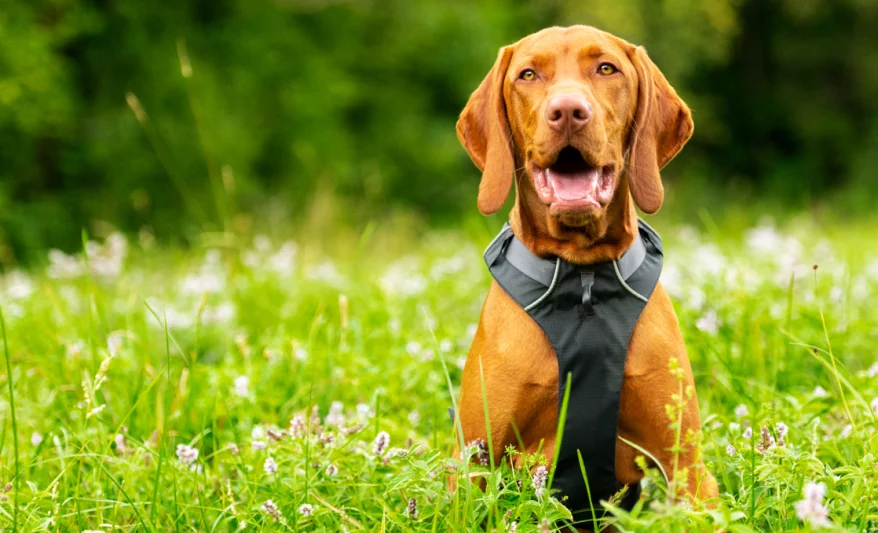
(483, 129)
(662, 125)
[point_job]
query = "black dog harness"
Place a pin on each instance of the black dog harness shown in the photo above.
(588, 312)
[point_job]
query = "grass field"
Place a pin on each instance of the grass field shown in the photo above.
(270, 386)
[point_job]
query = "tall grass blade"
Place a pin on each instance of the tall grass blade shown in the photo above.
(17, 478)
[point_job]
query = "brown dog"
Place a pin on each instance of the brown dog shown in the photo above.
(583, 89)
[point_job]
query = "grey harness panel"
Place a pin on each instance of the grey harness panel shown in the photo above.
(588, 313)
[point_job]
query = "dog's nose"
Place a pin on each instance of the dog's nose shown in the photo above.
(568, 112)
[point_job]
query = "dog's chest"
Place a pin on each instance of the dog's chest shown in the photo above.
(588, 313)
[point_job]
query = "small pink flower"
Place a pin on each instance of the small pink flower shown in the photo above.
(539, 479)
(381, 443)
(298, 426)
(271, 508)
(478, 449)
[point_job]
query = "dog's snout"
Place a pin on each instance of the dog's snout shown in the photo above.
(568, 112)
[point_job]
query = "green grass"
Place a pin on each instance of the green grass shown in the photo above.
(116, 364)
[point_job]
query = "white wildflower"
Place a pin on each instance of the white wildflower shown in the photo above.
(106, 260)
(764, 240)
(221, 314)
(36, 438)
(364, 411)
(283, 261)
(210, 278)
(299, 351)
(259, 445)
(819, 392)
(298, 426)
(874, 405)
(18, 285)
(731, 450)
(242, 386)
(75, 349)
(782, 430)
(63, 266)
(326, 272)
(811, 508)
(694, 298)
(403, 278)
(413, 348)
(306, 509)
(114, 342)
(186, 454)
(742, 411)
(708, 323)
(414, 418)
(270, 466)
(335, 417)
(709, 260)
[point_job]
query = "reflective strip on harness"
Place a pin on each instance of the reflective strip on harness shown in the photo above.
(541, 270)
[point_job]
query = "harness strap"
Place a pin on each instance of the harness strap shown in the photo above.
(543, 270)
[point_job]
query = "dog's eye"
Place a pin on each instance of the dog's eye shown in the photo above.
(606, 69)
(527, 74)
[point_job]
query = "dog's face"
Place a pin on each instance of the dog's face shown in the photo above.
(580, 117)
(570, 96)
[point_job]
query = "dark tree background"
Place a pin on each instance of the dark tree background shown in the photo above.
(182, 116)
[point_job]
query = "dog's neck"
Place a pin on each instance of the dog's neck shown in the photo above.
(602, 241)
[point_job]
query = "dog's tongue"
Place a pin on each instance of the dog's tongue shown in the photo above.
(573, 185)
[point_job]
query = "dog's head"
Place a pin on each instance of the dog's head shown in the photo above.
(580, 117)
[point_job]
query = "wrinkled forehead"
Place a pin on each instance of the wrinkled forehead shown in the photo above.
(572, 44)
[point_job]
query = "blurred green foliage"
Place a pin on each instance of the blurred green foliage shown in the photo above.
(289, 100)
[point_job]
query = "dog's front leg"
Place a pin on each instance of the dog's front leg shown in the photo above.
(650, 385)
(511, 369)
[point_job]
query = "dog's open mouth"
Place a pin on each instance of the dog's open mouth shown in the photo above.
(572, 184)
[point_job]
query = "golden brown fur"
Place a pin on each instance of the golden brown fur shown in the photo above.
(637, 124)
